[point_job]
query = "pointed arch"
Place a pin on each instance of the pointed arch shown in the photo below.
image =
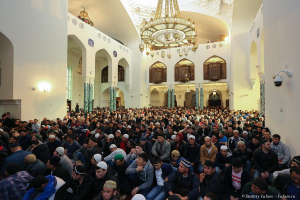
(214, 68)
(184, 70)
(125, 72)
(158, 72)
(103, 56)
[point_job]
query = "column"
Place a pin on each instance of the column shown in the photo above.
(201, 96)
(262, 97)
(114, 98)
(173, 96)
(169, 98)
(86, 85)
(197, 96)
(90, 99)
(111, 104)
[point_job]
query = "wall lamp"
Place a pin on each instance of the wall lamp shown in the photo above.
(44, 86)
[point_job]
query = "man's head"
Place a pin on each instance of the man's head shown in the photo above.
(245, 134)
(160, 137)
(276, 138)
(92, 142)
(138, 148)
(184, 166)
(109, 190)
(143, 140)
(113, 147)
(267, 135)
(255, 140)
(259, 186)
(209, 168)
(266, 145)
(241, 146)
(53, 163)
(295, 175)
(224, 150)
(23, 133)
(119, 160)
(175, 155)
(12, 168)
(70, 137)
(125, 138)
(192, 139)
(29, 159)
(142, 159)
(101, 169)
(207, 141)
(215, 139)
(216, 128)
(78, 172)
(12, 140)
(237, 165)
(221, 134)
(15, 147)
(157, 163)
(118, 133)
(295, 161)
(96, 158)
(39, 182)
(51, 138)
(59, 151)
(235, 133)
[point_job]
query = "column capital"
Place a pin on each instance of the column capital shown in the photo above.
(113, 84)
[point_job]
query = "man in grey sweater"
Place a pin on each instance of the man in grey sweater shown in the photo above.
(141, 174)
(162, 148)
(64, 160)
(283, 152)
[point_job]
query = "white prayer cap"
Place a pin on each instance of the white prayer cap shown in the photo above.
(112, 146)
(138, 197)
(102, 165)
(111, 136)
(97, 157)
(224, 147)
(126, 136)
(192, 136)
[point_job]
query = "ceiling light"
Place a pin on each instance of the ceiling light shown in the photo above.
(84, 16)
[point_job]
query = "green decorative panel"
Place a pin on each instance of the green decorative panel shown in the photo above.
(86, 96)
(169, 98)
(201, 98)
(197, 98)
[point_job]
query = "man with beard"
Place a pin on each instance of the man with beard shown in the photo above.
(109, 192)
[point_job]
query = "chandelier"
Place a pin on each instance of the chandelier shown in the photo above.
(84, 16)
(168, 29)
(79, 68)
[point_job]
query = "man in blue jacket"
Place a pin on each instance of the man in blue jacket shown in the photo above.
(183, 182)
(162, 171)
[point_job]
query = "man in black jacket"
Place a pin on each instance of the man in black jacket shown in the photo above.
(253, 144)
(81, 184)
(193, 152)
(265, 161)
(120, 166)
(211, 181)
(41, 151)
(288, 184)
(203, 131)
(244, 154)
(147, 147)
(235, 177)
(56, 169)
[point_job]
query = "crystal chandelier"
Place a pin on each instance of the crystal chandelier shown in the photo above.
(79, 68)
(84, 16)
(168, 29)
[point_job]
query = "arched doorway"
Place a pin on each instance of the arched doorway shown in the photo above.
(154, 98)
(184, 71)
(190, 98)
(104, 100)
(214, 99)
(120, 101)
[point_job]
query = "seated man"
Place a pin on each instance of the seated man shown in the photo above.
(233, 141)
(162, 171)
(134, 152)
(120, 166)
(212, 182)
(162, 148)
(235, 178)
(223, 139)
(94, 161)
(183, 182)
(114, 151)
(208, 151)
(102, 175)
(14, 186)
(109, 192)
(44, 187)
(265, 161)
(176, 160)
(295, 163)
(253, 144)
(259, 189)
(64, 160)
(71, 145)
(141, 174)
(193, 152)
(56, 169)
(288, 184)
(81, 184)
(244, 154)
(34, 166)
(223, 159)
(283, 152)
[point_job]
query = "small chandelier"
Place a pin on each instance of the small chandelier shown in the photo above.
(79, 68)
(169, 30)
(188, 89)
(84, 16)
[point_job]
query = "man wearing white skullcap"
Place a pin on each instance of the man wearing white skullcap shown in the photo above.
(64, 160)
(138, 197)
(223, 159)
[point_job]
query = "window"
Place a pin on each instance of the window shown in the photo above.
(104, 75)
(185, 71)
(158, 73)
(214, 68)
(120, 73)
(69, 82)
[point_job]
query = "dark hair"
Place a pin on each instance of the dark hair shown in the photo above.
(161, 135)
(144, 156)
(212, 196)
(217, 136)
(150, 129)
(156, 160)
(12, 168)
(225, 128)
(295, 169)
(276, 136)
(160, 128)
(255, 137)
(144, 126)
(139, 144)
(35, 142)
(38, 181)
(71, 136)
(260, 183)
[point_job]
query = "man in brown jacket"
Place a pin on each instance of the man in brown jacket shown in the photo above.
(208, 151)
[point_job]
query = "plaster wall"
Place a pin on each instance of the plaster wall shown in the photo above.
(282, 30)
(37, 31)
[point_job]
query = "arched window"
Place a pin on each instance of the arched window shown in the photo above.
(120, 73)
(157, 73)
(214, 68)
(185, 71)
(104, 75)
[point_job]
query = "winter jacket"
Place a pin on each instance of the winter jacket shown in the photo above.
(232, 191)
(3, 155)
(182, 148)
(148, 149)
(36, 168)
(189, 183)
(60, 172)
(81, 132)
(99, 183)
(146, 175)
(17, 157)
(166, 171)
(272, 193)
(232, 143)
(193, 153)
(247, 155)
(265, 162)
(166, 150)
(251, 146)
(281, 182)
(282, 151)
(213, 184)
(42, 153)
(221, 160)
(85, 190)
(66, 163)
(52, 146)
(115, 197)
(25, 142)
(204, 155)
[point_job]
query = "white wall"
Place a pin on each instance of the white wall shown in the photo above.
(37, 30)
(282, 30)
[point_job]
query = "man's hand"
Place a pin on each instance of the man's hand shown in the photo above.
(174, 164)
(171, 193)
(139, 168)
(267, 174)
(192, 164)
(263, 175)
(134, 191)
(227, 165)
(132, 151)
(202, 176)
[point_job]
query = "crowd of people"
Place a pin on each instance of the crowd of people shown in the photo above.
(149, 153)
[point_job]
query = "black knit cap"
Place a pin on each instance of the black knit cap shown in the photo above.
(80, 169)
(236, 162)
(54, 160)
(209, 163)
(38, 181)
(260, 183)
(12, 168)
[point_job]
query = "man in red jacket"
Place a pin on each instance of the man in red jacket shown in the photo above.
(124, 142)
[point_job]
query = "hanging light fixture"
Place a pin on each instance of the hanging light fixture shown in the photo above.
(188, 89)
(79, 68)
(168, 29)
(84, 16)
